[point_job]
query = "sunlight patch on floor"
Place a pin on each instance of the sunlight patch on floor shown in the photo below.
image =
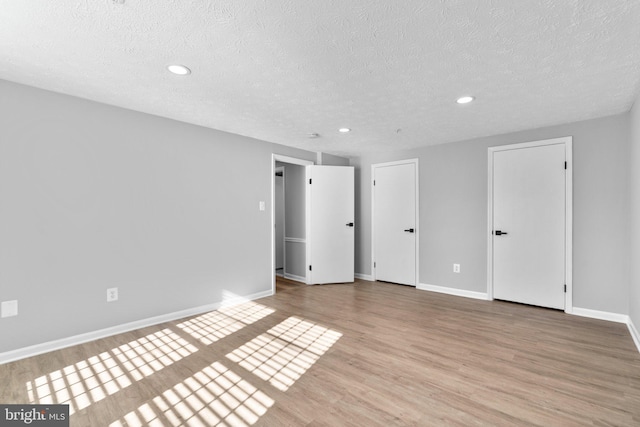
(214, 396)
(285, 352)
(97, 377)
(215, 325)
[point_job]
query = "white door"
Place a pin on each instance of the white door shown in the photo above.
(394, 222)
(529, 225)
(331, 224)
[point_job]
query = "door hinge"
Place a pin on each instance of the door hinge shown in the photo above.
(374, 182)
(309, 180)
(565, 289)
(565, 165)
(309, 268)
(374, 264)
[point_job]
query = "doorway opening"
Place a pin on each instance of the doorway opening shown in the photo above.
(288, 218)
(279, 209)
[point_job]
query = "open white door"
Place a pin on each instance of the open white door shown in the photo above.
(330, 224)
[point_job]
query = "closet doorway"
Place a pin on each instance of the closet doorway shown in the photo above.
(317, 222)
(289, 200)
(279, 207)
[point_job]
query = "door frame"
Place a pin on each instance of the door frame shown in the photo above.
(416, 163)
(285, 159)
(567, 141)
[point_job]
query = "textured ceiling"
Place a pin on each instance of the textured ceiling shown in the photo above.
(278, 70)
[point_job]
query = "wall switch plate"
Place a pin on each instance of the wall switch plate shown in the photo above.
(262, 206)
(112, 294)
(456, 268)
(9, 308)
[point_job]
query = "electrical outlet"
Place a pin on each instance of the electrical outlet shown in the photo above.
(112, 294)
(456, 268)
(9, 308)
(261, 206)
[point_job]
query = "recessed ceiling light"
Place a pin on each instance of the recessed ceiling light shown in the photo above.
(180, 70)
(344, 130)
(465, 99)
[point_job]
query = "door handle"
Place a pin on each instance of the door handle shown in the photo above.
(500, 232)
(349, 224)
(409, 230)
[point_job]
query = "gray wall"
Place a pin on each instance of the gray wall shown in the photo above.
(94, 196)
(294, 184)
(453, 210)
(331, 160)
(634, 168)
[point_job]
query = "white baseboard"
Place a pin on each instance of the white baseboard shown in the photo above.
(634, 334)
(453, 291)
(296, 278)
(611, 317)
(34, 350)
(361, 276)
(602, 315)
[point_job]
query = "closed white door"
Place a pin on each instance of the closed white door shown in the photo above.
(331, 225)
(529, 225)
(394, 223)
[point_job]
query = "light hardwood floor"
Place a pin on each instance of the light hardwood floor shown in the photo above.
(363, 354)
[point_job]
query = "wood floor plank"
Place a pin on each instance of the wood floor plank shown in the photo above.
(366, 353)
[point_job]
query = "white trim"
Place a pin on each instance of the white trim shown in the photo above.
(568, 143)
(568, 243)
(452, 291)
(367, 277)
(634, 333)
(307, 219)
(34, 350)
(285, 159)
(295, 240)
(294, 277)
(416, 163)
(489, 230)
(600, 315)
(292, 160)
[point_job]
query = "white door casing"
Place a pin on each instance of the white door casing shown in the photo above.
(395, 222)
(330, 224)
(529, 224)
